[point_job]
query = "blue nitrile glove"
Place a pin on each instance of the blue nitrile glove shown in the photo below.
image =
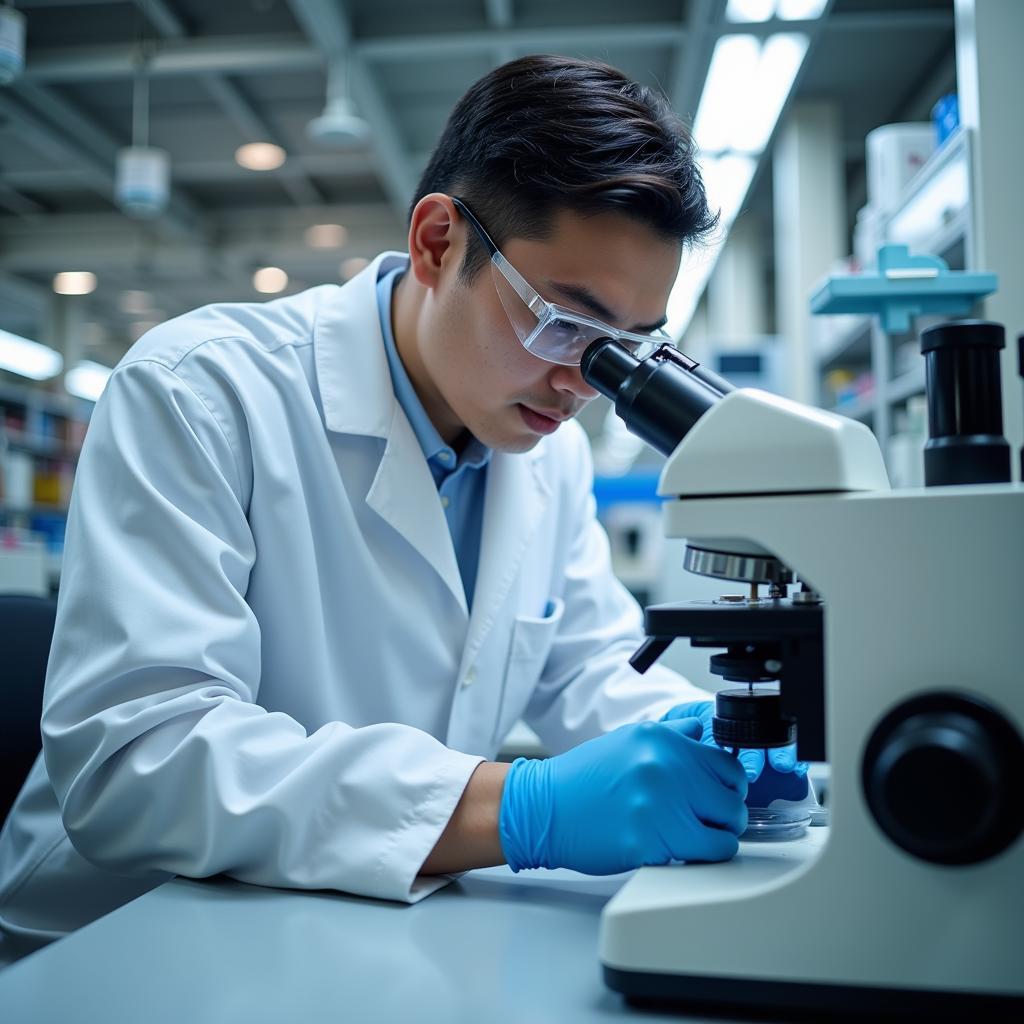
(646, 793)
(782, 759)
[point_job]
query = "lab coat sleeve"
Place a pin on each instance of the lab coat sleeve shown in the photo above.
(587, 686)
(158, 751)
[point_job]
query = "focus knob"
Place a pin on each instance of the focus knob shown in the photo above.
(937, 774)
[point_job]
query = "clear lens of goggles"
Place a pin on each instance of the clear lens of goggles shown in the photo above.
(557, 339)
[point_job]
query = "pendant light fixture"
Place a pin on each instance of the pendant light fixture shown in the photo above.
(143, 181)
(339, 125)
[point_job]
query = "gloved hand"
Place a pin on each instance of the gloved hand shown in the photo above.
(781, 759)
(646, 793)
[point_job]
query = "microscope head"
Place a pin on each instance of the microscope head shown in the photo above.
(728, 445)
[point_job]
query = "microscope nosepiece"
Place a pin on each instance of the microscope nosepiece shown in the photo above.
(751, 718)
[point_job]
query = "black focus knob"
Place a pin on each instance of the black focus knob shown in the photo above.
(938, 774)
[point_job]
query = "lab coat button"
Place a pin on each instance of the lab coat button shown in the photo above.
(469, 678)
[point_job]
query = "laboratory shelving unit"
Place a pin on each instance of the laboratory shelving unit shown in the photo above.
(41, 435)
(928, 222)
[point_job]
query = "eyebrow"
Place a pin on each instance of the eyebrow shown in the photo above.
(585, 298)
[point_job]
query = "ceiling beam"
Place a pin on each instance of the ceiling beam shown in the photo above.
(499, 13)
(338, 166)
(65, 133)
(27, 293)
(245, 55)
(289, 52)
(326, 24)
(108, 245)
(11, 199)
(579, 37)
(693, 57)
(163, 18)
(886, 19)
(233, 102)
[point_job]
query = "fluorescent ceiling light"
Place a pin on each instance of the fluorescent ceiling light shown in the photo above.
(749, 10)
(800, 10)
(87, 380)
(270, 280)
(74, 282)
(727, 180)
(746, 87)
(28, 358)
(326, 236)
(779, 61)
(728, 87)
(763, 10)
(260, 156)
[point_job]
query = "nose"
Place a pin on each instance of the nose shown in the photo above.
(568, 380)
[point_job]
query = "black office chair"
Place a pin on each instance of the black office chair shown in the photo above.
(26, 629)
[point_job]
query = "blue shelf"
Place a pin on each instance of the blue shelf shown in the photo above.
(904, 286)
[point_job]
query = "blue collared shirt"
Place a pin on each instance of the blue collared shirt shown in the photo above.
(460, 479)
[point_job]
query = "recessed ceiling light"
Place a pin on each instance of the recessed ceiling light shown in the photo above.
(326, 236)
(352, 266)
(74, 282)
(260, 156)
(270, 280)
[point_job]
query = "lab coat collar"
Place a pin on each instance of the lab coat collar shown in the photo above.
(351, 365)
(358, 398)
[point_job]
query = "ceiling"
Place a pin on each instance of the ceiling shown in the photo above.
(255, 70)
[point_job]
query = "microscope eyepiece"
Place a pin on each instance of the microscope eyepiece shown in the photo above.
(659, 397)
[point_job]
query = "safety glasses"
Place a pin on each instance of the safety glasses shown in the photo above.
(546, 329)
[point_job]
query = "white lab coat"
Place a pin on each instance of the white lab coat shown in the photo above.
(263, 662)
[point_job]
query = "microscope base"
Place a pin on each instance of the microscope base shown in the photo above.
(749, 944)
(717, 994)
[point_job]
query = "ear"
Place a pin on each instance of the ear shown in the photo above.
(437, 238)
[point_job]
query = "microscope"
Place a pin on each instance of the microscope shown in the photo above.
(886, 641)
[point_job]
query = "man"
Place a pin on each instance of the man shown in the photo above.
(324, 551)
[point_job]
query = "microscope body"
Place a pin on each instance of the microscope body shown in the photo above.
(903, 670)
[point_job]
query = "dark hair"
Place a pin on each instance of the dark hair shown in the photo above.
(546, 133)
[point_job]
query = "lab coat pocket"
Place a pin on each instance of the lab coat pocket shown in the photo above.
(532, 638)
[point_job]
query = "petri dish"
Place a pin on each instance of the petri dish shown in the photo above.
(767, 824)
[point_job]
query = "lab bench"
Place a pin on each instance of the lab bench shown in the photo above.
(491, 947)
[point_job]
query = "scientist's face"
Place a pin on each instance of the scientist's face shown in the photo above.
(478, 375)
